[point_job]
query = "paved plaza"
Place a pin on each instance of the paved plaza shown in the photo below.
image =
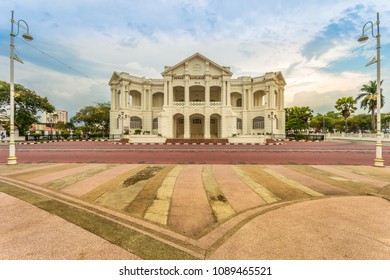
(194, 211)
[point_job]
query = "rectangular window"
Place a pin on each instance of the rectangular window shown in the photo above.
(197, 121)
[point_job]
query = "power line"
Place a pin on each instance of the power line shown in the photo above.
(330, 63)
(63, 63)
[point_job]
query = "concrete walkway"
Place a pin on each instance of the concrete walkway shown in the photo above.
(29, 233)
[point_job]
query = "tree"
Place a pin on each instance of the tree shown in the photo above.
(297, 118)
(97, 118)
(368, 100)
(346, 106)
(27, 105)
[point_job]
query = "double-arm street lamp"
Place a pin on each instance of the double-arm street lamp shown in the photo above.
(122, 117)
(26, 36)
(379, 162)
(272, 117)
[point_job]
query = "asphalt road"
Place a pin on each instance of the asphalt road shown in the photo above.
(332, 152)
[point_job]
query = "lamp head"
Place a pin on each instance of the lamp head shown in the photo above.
(363, 38)
(27, 37)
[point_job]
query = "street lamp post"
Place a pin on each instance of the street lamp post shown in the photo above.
(272, 117)
(12, 151)
(379, 162)
(122, 117)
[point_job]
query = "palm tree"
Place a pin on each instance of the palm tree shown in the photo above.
(346, 107)
(368, 96)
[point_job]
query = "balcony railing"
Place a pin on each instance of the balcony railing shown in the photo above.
(197, 104)
(135, 107)
(179, 104)
(215, 104)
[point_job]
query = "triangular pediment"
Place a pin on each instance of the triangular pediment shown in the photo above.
(197, 64)
(115, 78)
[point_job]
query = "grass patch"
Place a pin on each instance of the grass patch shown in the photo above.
(112, 185)
(375, 172)
(222, 210)
(274, 185)
(146, 196)
(41, 172)
(4, 169)
(348, 185)
(22, 194)
(67, 181)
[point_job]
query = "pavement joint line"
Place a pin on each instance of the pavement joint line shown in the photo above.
(293, 183)
(216, 235)
(262, 191)
(135, 224)
(352, 176)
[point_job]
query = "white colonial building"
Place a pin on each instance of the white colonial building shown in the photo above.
(198, 98)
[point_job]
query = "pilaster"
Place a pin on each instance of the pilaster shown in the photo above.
(207, 90)
(186, 91)
(187, 134)
(170, 92)
(165, 93)
(207, 126)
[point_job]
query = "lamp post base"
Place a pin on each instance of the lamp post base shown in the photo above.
(378, 162)
(12, 161)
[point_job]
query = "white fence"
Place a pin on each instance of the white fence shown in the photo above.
(356, 136)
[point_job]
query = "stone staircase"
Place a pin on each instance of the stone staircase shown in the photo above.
(197, 141)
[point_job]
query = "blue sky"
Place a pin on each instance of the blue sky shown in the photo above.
(313, 43)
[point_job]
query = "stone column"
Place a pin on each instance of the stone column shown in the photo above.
(207, 91)
(250, 99)
(186, 91)
(187, 132)
(206, 126)
(271, 97)
(143, 99)
(123, 96)
(244, 99)
(228, 102)
(113, 99)
(170, 89)
(281, 103)
(165, 93)
(223, 92)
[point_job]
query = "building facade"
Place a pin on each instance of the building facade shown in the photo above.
(197, 98)
(55, 117)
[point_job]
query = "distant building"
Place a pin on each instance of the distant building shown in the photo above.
(198, 98)
(55, 117)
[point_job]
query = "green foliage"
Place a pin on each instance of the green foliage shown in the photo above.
(27, 105)
(138, 131)
(346, 106)
(368, 100)
(297, 118)
(97, 117)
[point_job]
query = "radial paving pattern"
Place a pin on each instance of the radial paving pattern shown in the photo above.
(197, 204)
(191, 198)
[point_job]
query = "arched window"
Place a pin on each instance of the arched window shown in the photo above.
(239, 102)
(135, 122)
(155, 123)
(239, 123)
(258, 123)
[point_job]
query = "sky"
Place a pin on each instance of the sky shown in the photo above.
(78, 44)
